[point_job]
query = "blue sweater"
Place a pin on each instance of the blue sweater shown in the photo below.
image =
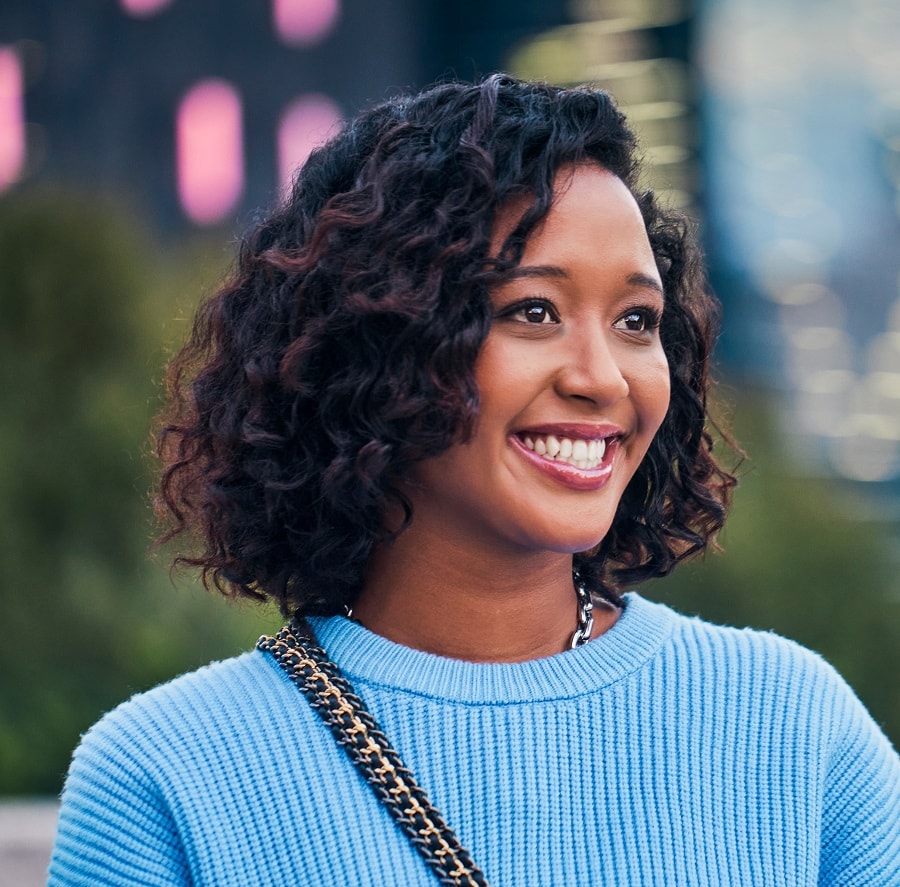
(666, 752)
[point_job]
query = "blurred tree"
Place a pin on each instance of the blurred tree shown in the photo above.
(86, 619)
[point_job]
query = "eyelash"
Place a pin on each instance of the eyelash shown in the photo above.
(526, 305)
(650, 316)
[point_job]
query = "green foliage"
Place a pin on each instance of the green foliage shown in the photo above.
(796, 562)
(86, 619)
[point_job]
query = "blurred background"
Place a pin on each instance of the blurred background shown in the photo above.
(138, 138)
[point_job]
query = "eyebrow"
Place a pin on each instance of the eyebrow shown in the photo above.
(646, 281)
(638, 279)
(521, 271)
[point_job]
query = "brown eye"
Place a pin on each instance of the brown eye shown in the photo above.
(634, 321)
(638, 320)
(535, 312)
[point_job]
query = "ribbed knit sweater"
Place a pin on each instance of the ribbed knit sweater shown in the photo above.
(665, 752)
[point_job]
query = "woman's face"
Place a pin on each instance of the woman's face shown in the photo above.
(573, 381)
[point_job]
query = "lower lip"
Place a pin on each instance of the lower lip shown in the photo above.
(569, 475)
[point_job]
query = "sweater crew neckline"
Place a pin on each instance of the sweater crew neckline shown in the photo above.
(368, 658)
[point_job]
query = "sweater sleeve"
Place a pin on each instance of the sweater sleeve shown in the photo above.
(861, 822)
(115, 829)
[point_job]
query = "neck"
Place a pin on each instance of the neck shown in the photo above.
(481, 606)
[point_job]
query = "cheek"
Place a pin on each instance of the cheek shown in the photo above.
(664, 395)
(503, 376)
(653, 389)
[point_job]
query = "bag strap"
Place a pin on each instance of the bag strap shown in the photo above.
(357, 732)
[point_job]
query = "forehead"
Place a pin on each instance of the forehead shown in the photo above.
(588, 202)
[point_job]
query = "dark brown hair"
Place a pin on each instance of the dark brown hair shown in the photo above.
(342, 349)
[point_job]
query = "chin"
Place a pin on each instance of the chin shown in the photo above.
(569, 543)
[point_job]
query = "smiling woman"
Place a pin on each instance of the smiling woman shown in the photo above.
(449, 408)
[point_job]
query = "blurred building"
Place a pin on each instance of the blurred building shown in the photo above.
(198, 110)
(802, 108)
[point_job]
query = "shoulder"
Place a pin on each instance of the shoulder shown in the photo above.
(752, 670)
(193, 742)
(211, 687)
(757, 651)
(227, 702)
(778, 706)
(177, 772)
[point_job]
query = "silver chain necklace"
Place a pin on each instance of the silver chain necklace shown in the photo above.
(585, 626)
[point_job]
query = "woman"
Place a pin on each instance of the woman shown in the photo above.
(450, 405)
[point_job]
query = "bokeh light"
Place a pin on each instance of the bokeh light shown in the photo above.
(12, 123)
(304, 22)
(210, 151)
(143, 8)
(306, 123)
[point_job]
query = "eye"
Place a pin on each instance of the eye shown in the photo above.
(638, 320)
(536, 311)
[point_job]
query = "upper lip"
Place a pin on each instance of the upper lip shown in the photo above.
(573, 430)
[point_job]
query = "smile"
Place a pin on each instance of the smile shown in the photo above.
(581, 463)
(584, 454)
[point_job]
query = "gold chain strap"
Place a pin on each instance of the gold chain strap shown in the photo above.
(357, 732)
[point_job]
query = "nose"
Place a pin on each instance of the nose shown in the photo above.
(592, 368)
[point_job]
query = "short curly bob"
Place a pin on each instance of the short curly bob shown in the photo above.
(342, 349)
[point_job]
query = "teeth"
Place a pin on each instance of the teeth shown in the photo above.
(583, 454)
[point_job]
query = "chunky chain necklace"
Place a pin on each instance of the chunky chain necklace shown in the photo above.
(585, 626)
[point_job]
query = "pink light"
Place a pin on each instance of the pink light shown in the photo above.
(306, 123)
(304, 22)
(210, 151)
(143, 8)
(12, 118)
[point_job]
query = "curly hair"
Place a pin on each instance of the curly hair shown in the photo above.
(341, 351)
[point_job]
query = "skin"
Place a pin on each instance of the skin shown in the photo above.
(574, 349)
